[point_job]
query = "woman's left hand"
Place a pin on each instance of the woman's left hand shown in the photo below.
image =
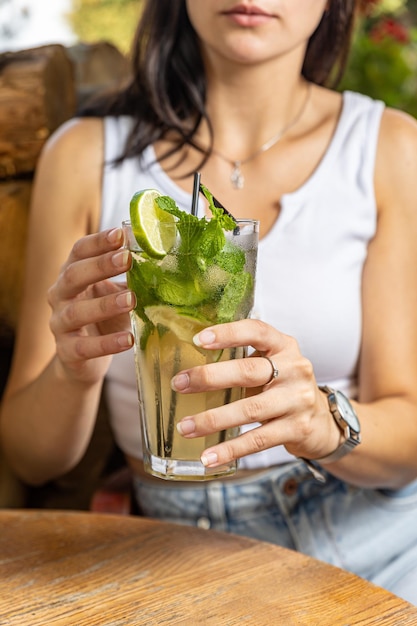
(289, 407)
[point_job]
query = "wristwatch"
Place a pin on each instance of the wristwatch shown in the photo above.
(348, 422)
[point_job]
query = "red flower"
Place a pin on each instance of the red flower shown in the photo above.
(389, 28)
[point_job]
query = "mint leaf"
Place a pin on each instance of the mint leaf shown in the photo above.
(232, 303)
(191, 229)
(175, 290)
(143, 278)
(212, 239)
(166, 203)
(208, 268)
(230, 258)
(226, 221)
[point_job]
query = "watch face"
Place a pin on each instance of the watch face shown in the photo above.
(347, 411)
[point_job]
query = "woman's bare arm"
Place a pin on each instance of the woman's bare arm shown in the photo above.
(50, 403)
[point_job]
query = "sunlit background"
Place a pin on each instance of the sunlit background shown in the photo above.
(27, 23)
(383, 62)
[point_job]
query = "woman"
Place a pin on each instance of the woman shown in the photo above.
(236, 91)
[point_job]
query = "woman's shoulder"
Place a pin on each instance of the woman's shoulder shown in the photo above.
(81, 135)
(86, 136)
(399, 133)
(76, 147)
(398, 143)
(396, 129)
(397, 158)
(69, 169)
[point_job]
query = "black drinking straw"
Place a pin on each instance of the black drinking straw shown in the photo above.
(196, 191)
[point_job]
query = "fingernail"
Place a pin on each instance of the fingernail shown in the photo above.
(121, 258)
(125, 300)
(186, 426)
(205, 338)
(125, 341)
(209, 459)
(180, 382)
(114, 235)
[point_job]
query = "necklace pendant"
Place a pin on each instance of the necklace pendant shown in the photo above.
(236, 177)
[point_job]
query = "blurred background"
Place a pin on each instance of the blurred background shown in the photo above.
(383, 62)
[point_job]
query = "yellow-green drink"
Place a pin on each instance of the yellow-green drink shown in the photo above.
(206, 277)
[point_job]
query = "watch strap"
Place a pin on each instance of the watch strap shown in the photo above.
(339, 453)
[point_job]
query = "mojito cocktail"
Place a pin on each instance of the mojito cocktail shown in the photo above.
(187, 274)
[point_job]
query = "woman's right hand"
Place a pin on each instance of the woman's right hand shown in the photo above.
(89, 318)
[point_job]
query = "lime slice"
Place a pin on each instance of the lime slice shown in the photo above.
(154, 229)
(183, 326)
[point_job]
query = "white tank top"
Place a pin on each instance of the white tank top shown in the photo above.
(310, 264)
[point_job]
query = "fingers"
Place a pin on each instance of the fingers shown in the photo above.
(293, 427)
(250, 442)
(96, 244)
(260, 407)
(285, 404)
(250, 332)
(93, 258)
(89, 312)
(302, 430)
(74, 349)
(272, 404)
(254, 371)
(82, 312)
(80, 274)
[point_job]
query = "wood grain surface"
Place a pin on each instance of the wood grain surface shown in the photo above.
(75, 568)
(37, 94)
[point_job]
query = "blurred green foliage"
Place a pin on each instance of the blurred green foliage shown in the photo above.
(383, 60)
(114, 21)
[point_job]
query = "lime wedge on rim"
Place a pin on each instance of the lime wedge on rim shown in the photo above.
(153, 228)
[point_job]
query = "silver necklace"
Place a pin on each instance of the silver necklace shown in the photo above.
(236, 177)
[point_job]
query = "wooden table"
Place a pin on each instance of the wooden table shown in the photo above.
(84, 569)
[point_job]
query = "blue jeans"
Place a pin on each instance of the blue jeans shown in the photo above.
(372, 533)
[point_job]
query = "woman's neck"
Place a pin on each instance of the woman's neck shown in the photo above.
(248, 103)
(248, 112)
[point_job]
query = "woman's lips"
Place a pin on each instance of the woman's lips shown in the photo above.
(251, 16)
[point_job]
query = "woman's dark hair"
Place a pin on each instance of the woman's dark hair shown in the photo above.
(328, 48)
(167, 90)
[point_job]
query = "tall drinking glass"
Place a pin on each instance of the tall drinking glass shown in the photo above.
(178, 296)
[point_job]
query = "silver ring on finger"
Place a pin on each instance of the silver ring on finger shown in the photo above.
(274, 372)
